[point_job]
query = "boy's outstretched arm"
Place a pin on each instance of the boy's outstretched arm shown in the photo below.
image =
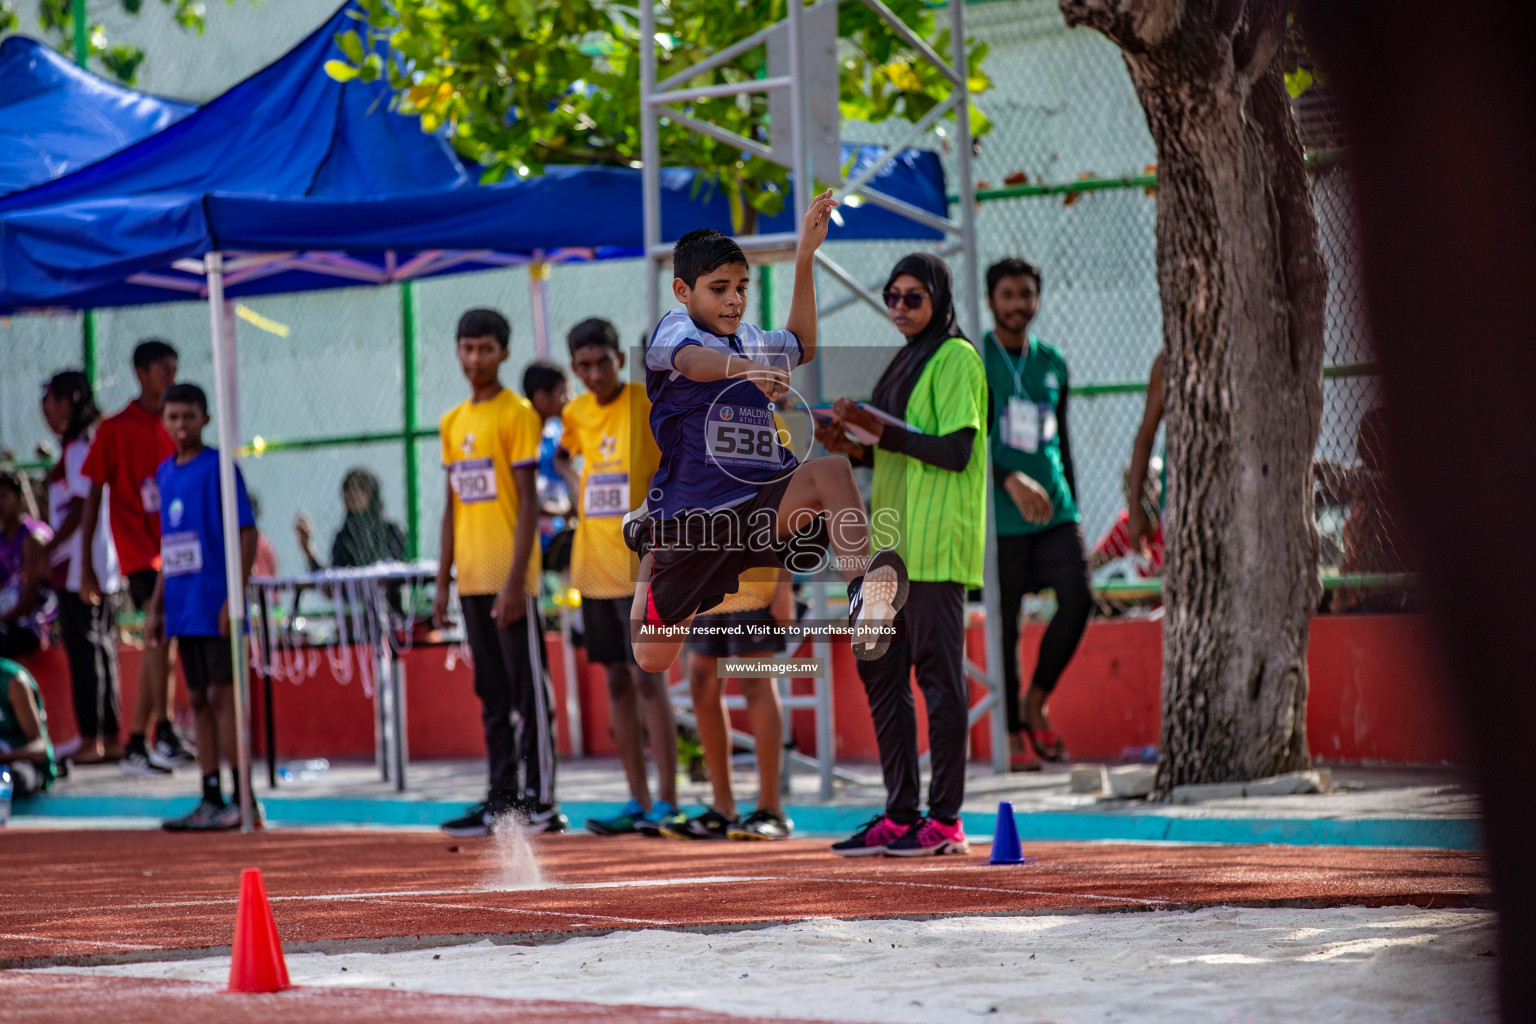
(702, 364)
(802, 302)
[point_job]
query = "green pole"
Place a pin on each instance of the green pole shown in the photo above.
(765, 297)
(82, 32)
(408, 361)
(88, 324)
(88, 345)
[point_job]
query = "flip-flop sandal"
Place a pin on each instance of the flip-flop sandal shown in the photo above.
(1046, 743)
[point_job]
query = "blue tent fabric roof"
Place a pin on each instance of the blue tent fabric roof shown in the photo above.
(292, 161)
(56, 118)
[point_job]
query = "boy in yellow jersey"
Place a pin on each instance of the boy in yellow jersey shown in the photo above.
(609, 429)
(764, 599)
(490, 523)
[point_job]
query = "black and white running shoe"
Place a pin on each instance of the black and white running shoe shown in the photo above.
(136, 761)
(207, 816)
(762, 824)
(545, 818)
(169, 748)
(709, 825)
(873, 601)
(639, 528)
(476, 821)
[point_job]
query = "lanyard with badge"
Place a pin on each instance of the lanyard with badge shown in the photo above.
(1026, 424)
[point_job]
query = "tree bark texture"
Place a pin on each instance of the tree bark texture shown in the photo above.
(1242, 283)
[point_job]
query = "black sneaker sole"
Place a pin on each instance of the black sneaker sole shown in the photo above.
(465, 832)
(861, 851)
(884, 559)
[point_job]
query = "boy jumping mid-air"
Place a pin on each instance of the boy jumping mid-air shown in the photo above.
(729, 495)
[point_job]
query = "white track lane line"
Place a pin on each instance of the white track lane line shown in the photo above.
(75, 942)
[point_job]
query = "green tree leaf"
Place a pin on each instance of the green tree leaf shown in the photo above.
(340, 70)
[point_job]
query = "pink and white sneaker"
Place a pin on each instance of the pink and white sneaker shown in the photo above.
(929, 835)
(871, 839)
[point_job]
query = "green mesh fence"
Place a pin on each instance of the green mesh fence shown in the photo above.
(1063, 181)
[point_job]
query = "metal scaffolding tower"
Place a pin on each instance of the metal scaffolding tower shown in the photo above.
(798, 85)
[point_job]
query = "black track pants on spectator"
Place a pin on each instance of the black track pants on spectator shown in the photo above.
(90, 641)
(510, 678)
(1054, 560)
(934, 644)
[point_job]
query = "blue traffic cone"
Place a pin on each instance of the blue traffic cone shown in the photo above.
(1005, 838)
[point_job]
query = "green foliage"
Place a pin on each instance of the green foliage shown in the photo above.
(56, 19)
(522, 83)
(1301, 70)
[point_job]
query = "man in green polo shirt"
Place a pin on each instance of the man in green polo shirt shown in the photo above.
(1039, 529)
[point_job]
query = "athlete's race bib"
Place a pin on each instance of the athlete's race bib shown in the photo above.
(741, 435)
(606, 494)
(474, 480)
(149, 495)
(181, 553)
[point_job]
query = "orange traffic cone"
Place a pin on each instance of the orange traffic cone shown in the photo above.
(257, 963)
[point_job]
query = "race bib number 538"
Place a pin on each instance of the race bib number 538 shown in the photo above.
(741, 435)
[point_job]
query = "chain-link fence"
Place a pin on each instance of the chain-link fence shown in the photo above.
(1064, 176)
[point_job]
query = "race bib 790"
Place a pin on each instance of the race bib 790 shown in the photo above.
(474, 480)
(741, 435)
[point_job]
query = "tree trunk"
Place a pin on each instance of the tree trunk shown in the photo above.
(1242, 284)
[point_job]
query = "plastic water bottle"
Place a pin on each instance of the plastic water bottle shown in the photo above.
(6, 787)
(304, 771)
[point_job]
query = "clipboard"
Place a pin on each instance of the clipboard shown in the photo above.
(823, 411)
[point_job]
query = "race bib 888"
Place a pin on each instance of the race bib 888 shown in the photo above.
(606, 494)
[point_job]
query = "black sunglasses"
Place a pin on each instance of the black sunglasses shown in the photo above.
(912, 300)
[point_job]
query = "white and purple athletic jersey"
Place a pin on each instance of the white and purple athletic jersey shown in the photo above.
(718, 441)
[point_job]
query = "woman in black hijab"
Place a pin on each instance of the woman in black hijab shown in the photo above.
(365, 537)
(930, 475)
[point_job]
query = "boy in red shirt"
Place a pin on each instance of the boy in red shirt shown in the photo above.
(124, 456)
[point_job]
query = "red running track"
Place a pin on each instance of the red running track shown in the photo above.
(93, 896)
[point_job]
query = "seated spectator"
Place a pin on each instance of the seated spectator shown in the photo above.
(1372, 542)
(25, 607)
(24, 744)
(365, 537)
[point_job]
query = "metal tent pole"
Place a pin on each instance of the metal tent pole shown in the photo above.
(87, 316)
(538, 297)
(408, 379)
(967, 190)
(650, 159)
(225, 376)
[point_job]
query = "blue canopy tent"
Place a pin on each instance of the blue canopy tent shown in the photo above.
(303, 182)
(56, 118)
(291, 181)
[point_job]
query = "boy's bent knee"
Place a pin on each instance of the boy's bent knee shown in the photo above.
(656, 656)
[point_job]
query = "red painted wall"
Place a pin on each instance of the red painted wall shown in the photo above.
(1375, 696)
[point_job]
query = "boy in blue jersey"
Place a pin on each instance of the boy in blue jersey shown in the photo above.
(189, 599)
(729, 495)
